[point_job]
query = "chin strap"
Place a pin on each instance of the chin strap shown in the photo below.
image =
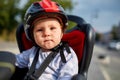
(61, 47)
(35, 74)
(64, 47)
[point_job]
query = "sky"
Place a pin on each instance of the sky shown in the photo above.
(101, 14)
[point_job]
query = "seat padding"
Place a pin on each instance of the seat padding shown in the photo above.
(76, 40)
(27, 44)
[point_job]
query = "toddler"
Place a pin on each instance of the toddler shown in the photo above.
(45, 23)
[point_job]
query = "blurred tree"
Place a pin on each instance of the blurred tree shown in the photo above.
(8, 13)
(114, 32)
(98, 36)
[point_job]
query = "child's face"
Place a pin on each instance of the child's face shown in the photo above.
(47, 33)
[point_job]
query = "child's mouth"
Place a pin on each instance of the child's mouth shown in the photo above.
(47, 40)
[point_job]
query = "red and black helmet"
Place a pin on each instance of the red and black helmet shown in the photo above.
(40, 9)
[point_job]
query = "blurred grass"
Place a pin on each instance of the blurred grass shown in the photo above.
(5, 36)
(71, 25)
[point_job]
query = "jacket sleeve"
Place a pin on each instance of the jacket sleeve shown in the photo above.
(22, 59)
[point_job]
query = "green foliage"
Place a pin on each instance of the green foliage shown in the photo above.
(98, 36)
(71, 25)
(114, 32)
(8, 13)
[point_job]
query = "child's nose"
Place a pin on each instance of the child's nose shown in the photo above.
(46, 32)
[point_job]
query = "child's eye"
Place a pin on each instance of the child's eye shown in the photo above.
(52, 28)
(39, 30)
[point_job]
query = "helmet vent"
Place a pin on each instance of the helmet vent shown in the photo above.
(49, 6)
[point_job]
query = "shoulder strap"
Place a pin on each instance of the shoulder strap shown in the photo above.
(32, 68)
(43, 66)
(66, 46)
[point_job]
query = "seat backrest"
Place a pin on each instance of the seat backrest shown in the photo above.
(81, 38)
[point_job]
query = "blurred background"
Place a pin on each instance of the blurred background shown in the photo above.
(103, 15)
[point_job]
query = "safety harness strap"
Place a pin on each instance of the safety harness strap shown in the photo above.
(43, 66)
(35, 74)
(32, 68)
